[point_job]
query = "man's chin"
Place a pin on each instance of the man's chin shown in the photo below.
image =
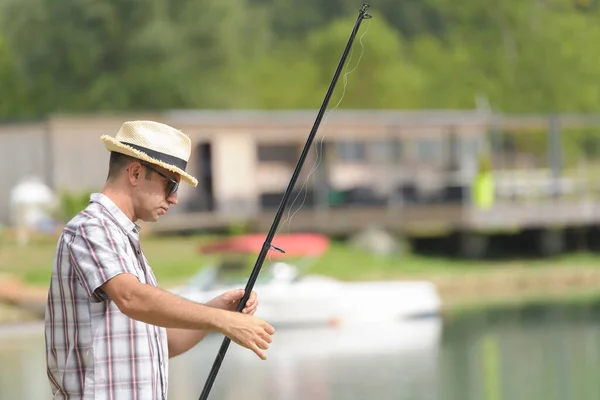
(151, 218)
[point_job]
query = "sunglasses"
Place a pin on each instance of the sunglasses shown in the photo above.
(172, 184)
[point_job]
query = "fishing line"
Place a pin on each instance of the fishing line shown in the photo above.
(267, 245)
(320, 141)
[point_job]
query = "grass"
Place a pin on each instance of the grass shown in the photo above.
(462, 284)
(173, 259)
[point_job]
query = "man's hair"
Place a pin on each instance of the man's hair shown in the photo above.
(117, 163)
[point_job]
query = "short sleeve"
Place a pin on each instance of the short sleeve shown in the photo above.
(98, 253)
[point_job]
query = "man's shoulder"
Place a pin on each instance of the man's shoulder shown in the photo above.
(90, 217)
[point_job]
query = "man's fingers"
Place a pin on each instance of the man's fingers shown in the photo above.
(269, 329)
(249, 309)
(266, 337)
(262, 344)
(259, 352)
(253, 333)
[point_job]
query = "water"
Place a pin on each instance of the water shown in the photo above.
(548, 355)
(321, 364)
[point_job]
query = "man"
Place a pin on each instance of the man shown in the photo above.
(109, 329)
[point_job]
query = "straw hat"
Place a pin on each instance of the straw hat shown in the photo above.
(154, 143)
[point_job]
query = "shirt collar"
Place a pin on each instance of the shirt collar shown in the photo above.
(122, 220)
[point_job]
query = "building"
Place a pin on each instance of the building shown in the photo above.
(413, 171)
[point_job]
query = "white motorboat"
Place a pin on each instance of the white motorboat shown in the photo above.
(291, 299)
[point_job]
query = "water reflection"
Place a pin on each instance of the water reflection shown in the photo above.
(528, 357)
(391, 361)
(23, 363)
(555, 355)
(386, 361)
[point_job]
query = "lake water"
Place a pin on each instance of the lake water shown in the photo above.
(550, 354)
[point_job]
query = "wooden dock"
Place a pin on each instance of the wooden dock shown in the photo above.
(409, 220)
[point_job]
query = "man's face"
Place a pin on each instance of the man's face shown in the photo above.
(156, 192)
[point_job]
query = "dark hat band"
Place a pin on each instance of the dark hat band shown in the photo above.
(166, 158)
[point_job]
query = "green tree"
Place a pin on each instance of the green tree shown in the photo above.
(116, 55)
(130, 54)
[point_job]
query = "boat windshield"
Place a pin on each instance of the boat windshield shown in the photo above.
(236, 273)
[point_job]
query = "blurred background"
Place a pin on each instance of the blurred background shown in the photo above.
(442, 238)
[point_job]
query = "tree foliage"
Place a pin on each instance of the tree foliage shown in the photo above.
(114, 55)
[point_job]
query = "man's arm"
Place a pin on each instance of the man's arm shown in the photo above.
(96, 251)
(181, 340)
(154, 306)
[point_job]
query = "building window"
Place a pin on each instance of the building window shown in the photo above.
(429, 150)
(351, 151)
(387, 150)
(278, 153)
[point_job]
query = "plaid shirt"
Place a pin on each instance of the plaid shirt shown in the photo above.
(93, 350)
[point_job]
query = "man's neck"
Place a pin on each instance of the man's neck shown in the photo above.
(121, 200)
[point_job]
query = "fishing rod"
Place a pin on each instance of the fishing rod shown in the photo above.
(362, 14)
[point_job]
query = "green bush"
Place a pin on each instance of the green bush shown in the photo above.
(72, 202)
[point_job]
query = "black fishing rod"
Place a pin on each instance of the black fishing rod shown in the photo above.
(267, 244)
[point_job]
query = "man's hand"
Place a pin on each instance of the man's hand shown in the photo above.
(230, 300)
(187, 322)
(248, 331)
(245, 330)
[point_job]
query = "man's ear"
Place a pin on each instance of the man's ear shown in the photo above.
(134, 171)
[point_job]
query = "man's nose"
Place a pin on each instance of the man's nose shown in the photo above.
(173, 199)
